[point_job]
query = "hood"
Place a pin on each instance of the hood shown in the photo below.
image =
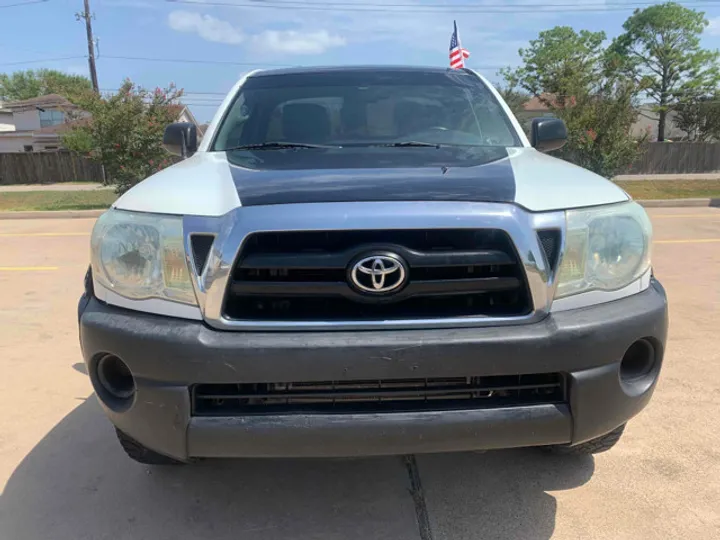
(213, 183)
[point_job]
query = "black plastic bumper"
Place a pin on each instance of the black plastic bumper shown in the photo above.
(168, 355)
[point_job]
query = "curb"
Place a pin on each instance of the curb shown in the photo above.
(85, 214)
(59, 214)
(679, 203)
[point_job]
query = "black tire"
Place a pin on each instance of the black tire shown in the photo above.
(593, 446)
(141, 454)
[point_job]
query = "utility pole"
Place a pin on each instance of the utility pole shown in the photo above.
(90, 43)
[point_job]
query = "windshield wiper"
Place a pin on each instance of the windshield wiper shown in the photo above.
(278, 145)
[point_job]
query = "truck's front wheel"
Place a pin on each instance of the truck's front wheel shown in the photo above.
(141, 454)
(593, 446)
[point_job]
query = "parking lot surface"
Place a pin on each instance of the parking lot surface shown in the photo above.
(63, 475)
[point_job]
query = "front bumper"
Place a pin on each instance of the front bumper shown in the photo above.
(168, 355)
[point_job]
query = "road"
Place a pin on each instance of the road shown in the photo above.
(64, 476)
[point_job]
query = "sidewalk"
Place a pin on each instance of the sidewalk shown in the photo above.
(52, 187)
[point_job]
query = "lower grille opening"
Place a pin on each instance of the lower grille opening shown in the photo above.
(392, 395)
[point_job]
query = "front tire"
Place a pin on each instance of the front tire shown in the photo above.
(593, 446)
(142, 454)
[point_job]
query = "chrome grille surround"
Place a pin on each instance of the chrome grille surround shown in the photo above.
(233, 228)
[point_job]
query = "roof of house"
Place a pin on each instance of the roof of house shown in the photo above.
(50, 100)
(176, 109)
(540, 103)
(535, 104)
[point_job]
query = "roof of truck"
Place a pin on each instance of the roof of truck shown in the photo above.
(353, 69)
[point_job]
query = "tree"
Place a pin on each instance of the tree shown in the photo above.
(124, 132)
(661, 50)
(600, 129)
(699, 118)
(559, 62)
(29, 84)
(568, 72)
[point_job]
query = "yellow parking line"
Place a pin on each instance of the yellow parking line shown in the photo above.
(27, 268)
(684, 216)
(12, 235)
(689, 241)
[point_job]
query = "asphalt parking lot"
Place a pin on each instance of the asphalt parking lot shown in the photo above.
(63, 475)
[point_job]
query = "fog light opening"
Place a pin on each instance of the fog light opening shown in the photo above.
(638, 361)
(115, 377)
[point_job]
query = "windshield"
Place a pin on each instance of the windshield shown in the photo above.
(365, 108)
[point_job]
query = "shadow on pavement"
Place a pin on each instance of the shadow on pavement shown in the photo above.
(80, 367)
(78, 484)
(499, 494)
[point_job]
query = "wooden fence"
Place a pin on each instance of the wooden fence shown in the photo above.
(679, 158)
(47, 168)
(56, 167)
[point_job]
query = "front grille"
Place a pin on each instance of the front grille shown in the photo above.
(394, 395)
(291, 276)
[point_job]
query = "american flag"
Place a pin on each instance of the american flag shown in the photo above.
(457, 53)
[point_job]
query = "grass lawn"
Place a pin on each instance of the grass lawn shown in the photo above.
(56, 200)
(671, 189)
(90, 200)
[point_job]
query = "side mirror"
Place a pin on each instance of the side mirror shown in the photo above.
(548, 134)
(180, 139)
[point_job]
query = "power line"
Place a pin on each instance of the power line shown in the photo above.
(443, 5)
(230, 62)
(41, 61)
(191, 61)
(426, 8)
(23, 3)
(185, 92)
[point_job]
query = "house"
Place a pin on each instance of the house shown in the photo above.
(29, 118)
(647, 122)
(6, 119)
(37, 124)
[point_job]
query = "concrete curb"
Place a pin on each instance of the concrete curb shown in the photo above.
(60, 214)
(85, 214)
(679, 203)
(666, 177)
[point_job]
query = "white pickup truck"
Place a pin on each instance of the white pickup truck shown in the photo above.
(367, 261)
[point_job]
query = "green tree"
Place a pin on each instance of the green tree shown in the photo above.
(558, 63)
(661, 50)
(29, 84)
(699, 118)
(124, 132)
(600, 129)
(568, 72)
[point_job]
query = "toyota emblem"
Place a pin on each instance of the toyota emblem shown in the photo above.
(379, 273)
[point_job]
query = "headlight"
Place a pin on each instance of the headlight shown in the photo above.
(141, 256)
(606, 249)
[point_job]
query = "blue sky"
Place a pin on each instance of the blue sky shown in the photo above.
(264, 37)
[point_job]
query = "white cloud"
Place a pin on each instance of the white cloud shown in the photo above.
(206, 26)
(714, 27)
(295, 42)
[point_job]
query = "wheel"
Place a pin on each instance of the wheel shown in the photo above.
(593, 446)
(142, 454)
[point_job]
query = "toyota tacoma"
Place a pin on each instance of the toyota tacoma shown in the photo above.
(368, 261)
